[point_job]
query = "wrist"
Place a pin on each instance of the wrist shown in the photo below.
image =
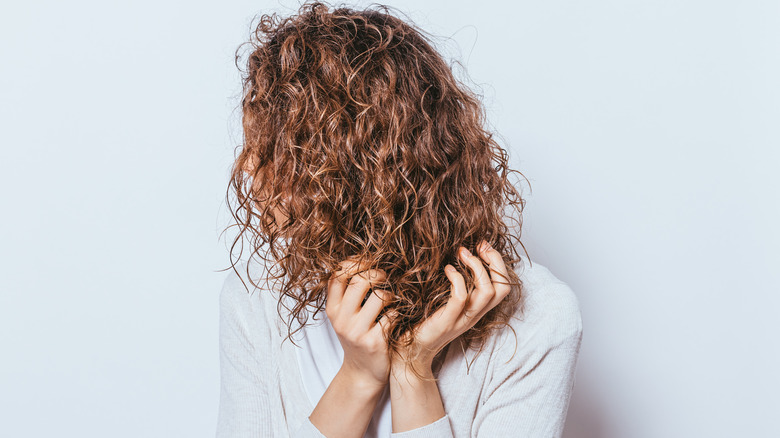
(415, 399)
(421, 361)
(403, 371)
(361, 382)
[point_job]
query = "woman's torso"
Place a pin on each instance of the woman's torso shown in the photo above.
(464, 378)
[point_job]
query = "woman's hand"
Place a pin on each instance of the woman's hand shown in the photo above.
(345, 409)
(415, 400)
(362, 338)
(463, 309)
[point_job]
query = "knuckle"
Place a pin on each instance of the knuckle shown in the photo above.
(368, 343)
(348, 265)
(362, 284)
(493, 254)
(372, 344)
(336, 278)
(382, 295)
(469, 314)
(458, 277)
(352, 335)
(484, 299)
(330, 311)
(375, 275)
(359, 281)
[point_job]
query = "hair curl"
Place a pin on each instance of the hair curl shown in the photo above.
(357, 130)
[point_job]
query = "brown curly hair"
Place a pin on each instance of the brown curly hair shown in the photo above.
(357, 129)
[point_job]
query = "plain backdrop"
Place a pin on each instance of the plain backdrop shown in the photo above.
(648, 131)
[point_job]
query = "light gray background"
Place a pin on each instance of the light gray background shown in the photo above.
(648, 129)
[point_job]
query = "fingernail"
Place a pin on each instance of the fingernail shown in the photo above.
(449, 268)
(464, 252)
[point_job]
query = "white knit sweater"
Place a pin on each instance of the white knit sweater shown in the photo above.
(495, 395)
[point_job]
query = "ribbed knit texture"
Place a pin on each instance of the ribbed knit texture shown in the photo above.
(262, 393)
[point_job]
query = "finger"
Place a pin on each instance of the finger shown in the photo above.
(338, 281)
(498, 272)
(458, 295)
(374, 304)
(383, 325)
(484, 291)
(358, 285)
(447, 316)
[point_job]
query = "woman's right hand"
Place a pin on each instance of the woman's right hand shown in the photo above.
(362, 338)
(346, 407)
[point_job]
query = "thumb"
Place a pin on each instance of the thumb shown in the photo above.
(387, 320)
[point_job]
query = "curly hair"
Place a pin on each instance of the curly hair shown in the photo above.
(358, 131)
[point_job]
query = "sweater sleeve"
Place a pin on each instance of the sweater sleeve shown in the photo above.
(438, 429)
(528, 393)
(307, 429)
(243, 404)
(244, 342)
(529, 389)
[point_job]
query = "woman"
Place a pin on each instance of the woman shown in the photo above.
(371, 191)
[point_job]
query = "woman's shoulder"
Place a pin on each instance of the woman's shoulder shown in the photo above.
(246, 298)
(237, 289)
(550, 311)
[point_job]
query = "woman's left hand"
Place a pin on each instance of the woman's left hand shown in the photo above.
(463, 309)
